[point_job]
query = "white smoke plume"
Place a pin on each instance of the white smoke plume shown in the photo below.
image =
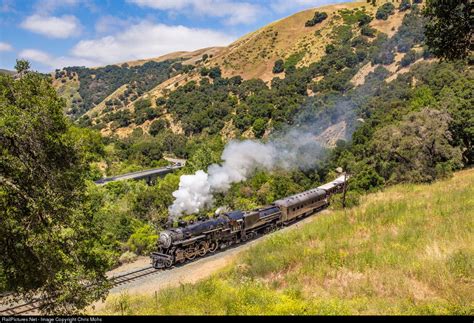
(240, 160)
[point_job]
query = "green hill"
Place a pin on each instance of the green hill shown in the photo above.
(406, 250)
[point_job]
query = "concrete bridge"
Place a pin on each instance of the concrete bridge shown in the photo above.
(149, 175)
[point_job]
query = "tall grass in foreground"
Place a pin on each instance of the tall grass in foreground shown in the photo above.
(407, 250)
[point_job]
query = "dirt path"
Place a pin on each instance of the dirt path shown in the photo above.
(187, 273)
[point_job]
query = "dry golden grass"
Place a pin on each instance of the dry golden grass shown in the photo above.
(253, 55)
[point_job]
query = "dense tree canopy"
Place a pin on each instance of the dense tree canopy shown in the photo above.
(450, 28)
(47, 243)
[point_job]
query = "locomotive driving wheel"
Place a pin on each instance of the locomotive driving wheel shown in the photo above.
(213, 246)
(190, 253)
(202, 249)
(168, 263)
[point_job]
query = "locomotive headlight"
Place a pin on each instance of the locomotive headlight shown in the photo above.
(165, 239)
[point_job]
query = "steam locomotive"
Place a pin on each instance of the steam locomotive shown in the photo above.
(190, 240)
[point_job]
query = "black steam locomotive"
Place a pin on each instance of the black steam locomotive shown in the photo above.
(190, 240)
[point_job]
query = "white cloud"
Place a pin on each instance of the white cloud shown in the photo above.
(139, 41)
(233, 12)
(108, 24)
(145, 40)
(5, 47)
(51, 61)
(51, 5)
(55, 27)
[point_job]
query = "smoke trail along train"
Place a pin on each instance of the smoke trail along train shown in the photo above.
(188, 241)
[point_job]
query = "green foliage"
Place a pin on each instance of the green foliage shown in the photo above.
(367, 31)
(278, 67)
(215, 72)
(318, 17)
(157, 126)
(144, 111)
(143, 240)
(142, 104)
(449, 29)
(350, 17)
(404, 5)
(293, 59)
(98, 83)
(364, 19)
(258, 127)
(409, 58)
(417, 149)
(329, 49)
(384, 11)
(421, 97)
(342, 34)
(22, 66)
(48, 244)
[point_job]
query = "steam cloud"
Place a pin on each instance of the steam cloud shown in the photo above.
(300, 146)
(240, 160)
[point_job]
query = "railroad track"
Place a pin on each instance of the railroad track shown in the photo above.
(33, 305)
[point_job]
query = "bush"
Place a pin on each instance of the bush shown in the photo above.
(405, 5)
(330, 49)
(204, 71)
(142, 104)
(259, 127)
(409, 58)
(127, 257)
(215, 72)
(318, 17)
(157, 126)
(278, 67)
(367, 31)
(364, 19)
(384, 11)
(143, 240)
(292, 60)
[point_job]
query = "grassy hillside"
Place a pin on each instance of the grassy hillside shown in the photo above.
(251, 56)
(407, 250)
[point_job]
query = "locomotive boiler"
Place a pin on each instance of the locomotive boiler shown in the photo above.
(196, 239)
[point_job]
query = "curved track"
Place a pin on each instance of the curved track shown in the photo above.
(32, 306)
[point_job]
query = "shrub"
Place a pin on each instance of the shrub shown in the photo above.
(142, 104)
(364, 19)
(409, 58)
(384, 11)
(157, 126)
(278, 67)
(215, 72)
(330, 49)
(292, 60)
(259, 127)
(143, 240)
(367, 31)
(318, 17)
(127, 257)
(160, 101)
(204, 71)
(404, 5)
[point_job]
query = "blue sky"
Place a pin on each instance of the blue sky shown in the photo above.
(56, 33)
